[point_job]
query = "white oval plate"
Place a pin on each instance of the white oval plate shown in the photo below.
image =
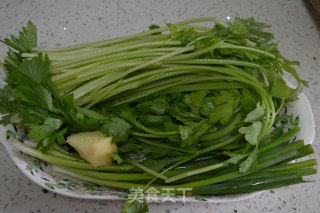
(44, 175)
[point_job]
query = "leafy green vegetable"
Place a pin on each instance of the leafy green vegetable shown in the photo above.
(252, 132)
(26, 41)
(118, 128)
(256, 114)
(280, 90)
(245, 165)
(188, 105)
(226, 103)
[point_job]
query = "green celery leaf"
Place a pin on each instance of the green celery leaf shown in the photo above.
(152, 119)
(49, 126)
(36, 69)
(117, 128)
(280, 89)
(185, 132)
(36, 95)
(288, 66)
(79, 119)
(8, 106)
(34, 133)
(169, 125)
(235, 158)
(60, 136)
(45, 144)
(248, 99)
(129, 116)
(206, 42)
(245, 165)
(221, 31)
(11, 62)
(256, 114)
(197, 99)
(186, 35)
(26, 41)
(226, 102)
(190, 134)
(207, 107)
(180, 109)
(53, 123)
(32, 72)
(252, 132)
(157, 106)
(239, 27)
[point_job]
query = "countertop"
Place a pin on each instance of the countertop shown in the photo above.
(67, 22)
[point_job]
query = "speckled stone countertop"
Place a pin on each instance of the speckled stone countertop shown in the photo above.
(66, 22)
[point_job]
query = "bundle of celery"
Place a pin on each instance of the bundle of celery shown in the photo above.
(183, 105)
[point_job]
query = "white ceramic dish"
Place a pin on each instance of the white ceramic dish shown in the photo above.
(44, 175)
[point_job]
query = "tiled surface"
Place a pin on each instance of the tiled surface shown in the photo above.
(63, 22)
